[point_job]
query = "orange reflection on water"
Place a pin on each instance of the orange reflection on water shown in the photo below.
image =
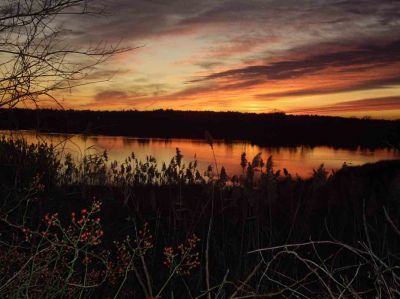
(299, 160)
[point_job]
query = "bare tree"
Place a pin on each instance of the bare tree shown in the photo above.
(36, 61)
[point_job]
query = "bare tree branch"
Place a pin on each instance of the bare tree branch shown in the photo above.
(37, 61)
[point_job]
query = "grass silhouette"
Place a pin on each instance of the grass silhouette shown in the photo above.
(97, 228)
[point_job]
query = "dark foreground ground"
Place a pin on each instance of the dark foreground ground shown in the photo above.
(64, 227)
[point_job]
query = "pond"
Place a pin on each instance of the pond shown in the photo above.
(300, 160)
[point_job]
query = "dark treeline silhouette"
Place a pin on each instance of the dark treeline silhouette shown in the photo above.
(264, 129)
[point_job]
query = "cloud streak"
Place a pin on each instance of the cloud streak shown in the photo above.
(364, 105)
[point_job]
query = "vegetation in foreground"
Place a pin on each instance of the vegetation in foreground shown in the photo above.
(94, 228)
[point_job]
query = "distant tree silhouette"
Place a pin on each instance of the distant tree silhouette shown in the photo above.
(261, 129)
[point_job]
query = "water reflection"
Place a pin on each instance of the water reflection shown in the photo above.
(298, 160)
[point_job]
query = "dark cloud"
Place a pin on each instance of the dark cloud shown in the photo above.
(105, 74)
(209, 65)
(138, 19)
(136, 92)
(368, 84)
(110, 95)
(292, 68)
(200, 90)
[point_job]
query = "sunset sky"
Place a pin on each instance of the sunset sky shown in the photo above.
(302, 57)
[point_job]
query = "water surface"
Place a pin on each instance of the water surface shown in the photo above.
(299, 160)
